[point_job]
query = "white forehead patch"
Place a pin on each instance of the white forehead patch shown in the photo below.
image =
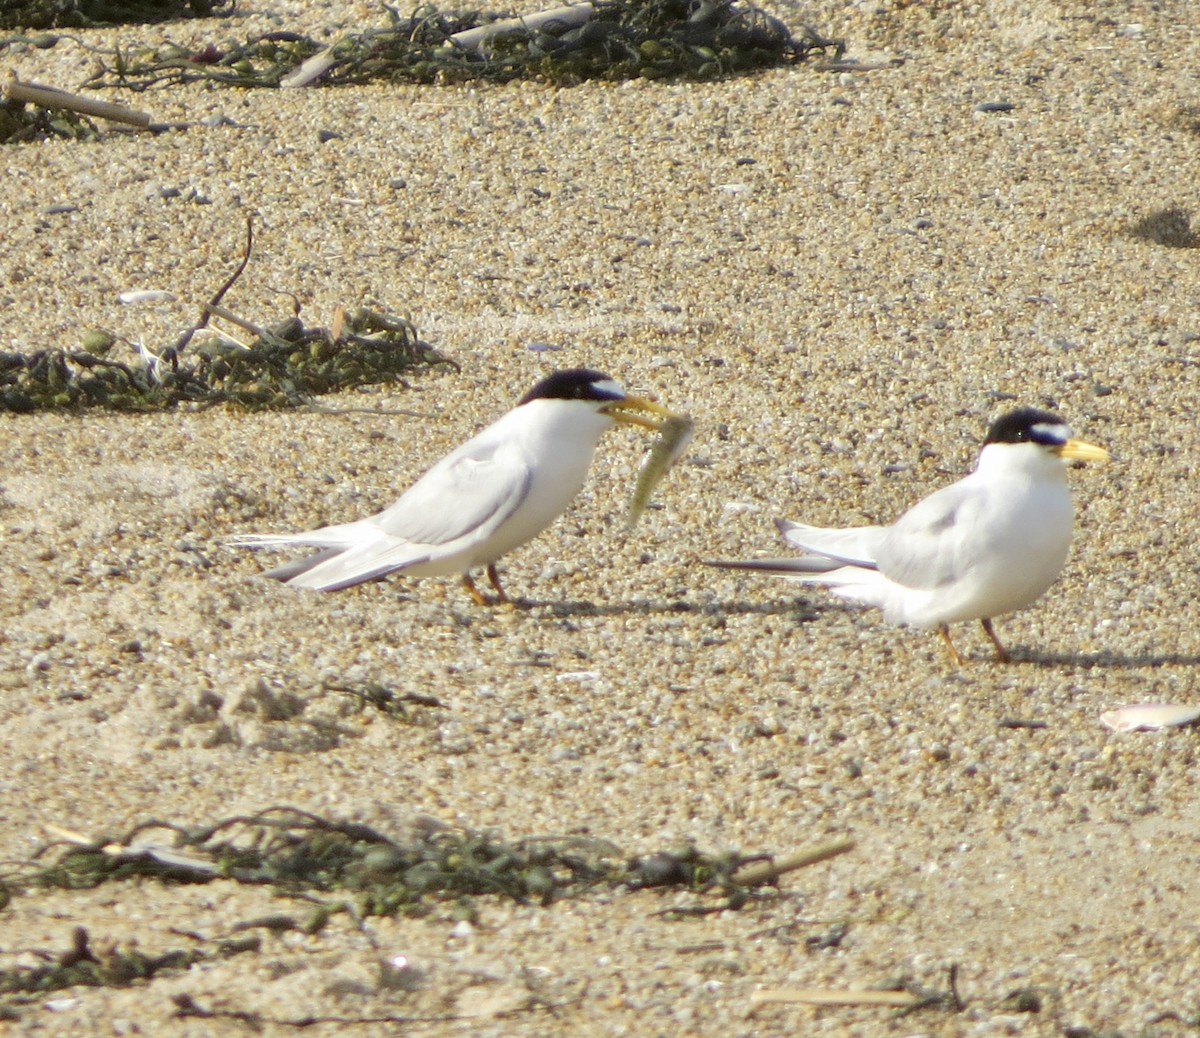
(1050, 432)
(609, 387)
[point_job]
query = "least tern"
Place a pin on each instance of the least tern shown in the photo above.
(498, 490)
(987, 545)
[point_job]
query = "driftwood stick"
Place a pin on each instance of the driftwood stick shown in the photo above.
(834, 997)
(568, 16)
(216, 310)
(768, 871)
(52, 97)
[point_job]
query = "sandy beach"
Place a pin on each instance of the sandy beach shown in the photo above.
(843, 276)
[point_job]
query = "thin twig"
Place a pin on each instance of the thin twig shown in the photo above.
(835, 997)
(174, 352)
(214, 310)
(768, 871)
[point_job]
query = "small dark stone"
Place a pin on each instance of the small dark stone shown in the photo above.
(661, 869)
(1023, 1000)
(832, 938)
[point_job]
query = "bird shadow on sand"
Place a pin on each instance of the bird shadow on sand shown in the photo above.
(675, 606)
(1102, 660)
(805, 612)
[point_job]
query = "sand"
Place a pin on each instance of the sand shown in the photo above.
(844, 277)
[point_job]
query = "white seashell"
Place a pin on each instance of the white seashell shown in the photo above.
(133, 298)
(578, 675)
(732, 508)
(1149, 716)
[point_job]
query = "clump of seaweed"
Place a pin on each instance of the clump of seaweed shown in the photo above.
(105, 964)
(20, 123)
(285, 366)
(608, 39)
(79, 14)
(31, 111)
(330, 866)
(356, 866)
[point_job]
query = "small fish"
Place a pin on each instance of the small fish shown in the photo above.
(674, 435)
(1149, 716)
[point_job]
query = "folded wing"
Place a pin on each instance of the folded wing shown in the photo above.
(927, 546)
(455, 505)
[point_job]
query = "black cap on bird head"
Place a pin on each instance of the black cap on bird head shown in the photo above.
(1029, 425)
(576, 384)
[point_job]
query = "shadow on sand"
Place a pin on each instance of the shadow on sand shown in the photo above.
(802, 610)
(1106, 660)
(805, 612)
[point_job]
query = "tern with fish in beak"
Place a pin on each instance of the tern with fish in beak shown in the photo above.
(498, 490)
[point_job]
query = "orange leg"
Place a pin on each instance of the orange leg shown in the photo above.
(494, 579)
(944, 631)
(473, 591)
(1001, 652)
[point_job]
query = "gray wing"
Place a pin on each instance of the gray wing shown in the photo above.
(850, 546)
(929, 546)
(472, 488)
(460, 500)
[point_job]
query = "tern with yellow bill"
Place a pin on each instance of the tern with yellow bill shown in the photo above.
(498, 490)
(990, 544)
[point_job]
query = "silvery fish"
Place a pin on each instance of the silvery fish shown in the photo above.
(674, 435)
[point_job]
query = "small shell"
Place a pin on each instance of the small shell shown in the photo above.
(578, 675)
(732, 508)
(133, 298)
(1149, 716)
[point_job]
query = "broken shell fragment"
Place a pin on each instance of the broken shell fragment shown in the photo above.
(143, 297)
(1149, 717)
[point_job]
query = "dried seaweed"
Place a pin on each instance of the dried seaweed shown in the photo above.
(622, 39)
(20, 123)
(78, 14)
(285, 366)
(356, 866)
(105, 964)
(297, 852)
(330, 866)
